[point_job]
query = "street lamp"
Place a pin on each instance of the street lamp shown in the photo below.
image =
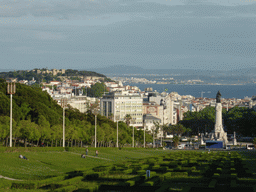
(95, 112)
(144, 136)
(133, 135)
(95, 128)
(63, 102)
(117, 118)
(11, 89)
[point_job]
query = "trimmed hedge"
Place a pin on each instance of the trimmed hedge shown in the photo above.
(213, 183)
(66, 189)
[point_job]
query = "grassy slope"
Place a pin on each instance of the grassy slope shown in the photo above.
(48, 164)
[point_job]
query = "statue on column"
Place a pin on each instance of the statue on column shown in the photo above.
(218, 97)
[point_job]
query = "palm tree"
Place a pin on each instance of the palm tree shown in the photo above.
(128, 119)
(158, 128)
(111, 116)
(155, 130)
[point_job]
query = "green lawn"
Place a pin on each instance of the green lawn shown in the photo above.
(48, 164)
(174, 169)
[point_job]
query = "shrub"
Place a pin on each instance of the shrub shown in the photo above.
(127, 171)
(167, 176)
(93, 176)
(67, 148)
(71, 181)
(148, 183)
(101, 168)
(213, 183)
(216, 175)
(219, 170)
(233, 183)
(24, 185)
(66, 189)
(130, 182)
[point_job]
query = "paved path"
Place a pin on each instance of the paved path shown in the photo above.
(92, 156)
(8, 178)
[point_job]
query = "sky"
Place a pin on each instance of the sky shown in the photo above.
(153, 34)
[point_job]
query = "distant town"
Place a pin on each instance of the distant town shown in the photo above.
(118, 100)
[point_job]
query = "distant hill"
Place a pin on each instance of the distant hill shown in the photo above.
(39, 77)
(233, 75)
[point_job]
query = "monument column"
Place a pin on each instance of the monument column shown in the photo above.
(219, 133)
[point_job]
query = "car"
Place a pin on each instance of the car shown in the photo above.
(183, 139)
(168, 147)
(181, 146)
(250, 147)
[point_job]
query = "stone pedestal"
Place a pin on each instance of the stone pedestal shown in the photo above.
(234, 140)
(218, 133)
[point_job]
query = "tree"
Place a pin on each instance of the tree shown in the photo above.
(128, 119)
(96, 90)
(155, 129)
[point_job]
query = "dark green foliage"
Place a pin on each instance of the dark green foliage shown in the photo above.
(20, 75)
(96, 90)
(239, 119)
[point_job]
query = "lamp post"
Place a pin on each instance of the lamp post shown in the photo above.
(144, 137)
(117, 131)
(133, 134)
(95, 129)
(63, 102)
(133, 138)
(11, 89)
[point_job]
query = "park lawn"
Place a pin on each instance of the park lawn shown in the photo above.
(42, 165)
(112, 168)
(125, 154)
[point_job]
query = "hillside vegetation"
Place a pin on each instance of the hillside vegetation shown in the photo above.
(38, 118)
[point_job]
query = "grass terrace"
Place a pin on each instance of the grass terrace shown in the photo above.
(125, 170)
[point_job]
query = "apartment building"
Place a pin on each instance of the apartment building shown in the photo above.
(120, 103)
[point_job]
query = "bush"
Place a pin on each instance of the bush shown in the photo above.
(216, 175)
(148, 183)
(24, 185)
(130, 182)
(93, 176)
(127, 171)
(67, 148)
(66, 189)
(71, 181)
(213, 183)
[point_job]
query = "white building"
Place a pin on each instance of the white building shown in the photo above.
(81, 102)
(119, 104)
(148, 123)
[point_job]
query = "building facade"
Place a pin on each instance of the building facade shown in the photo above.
(121, 103)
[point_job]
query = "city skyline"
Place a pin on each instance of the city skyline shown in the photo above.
(164, 34)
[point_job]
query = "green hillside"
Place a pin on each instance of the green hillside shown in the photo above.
(38, 118)
(40, 77)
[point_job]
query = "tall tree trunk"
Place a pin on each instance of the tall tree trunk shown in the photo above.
(81, 143)
(52, 143)
(71, 142)
(68, 142)
(55, 142)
